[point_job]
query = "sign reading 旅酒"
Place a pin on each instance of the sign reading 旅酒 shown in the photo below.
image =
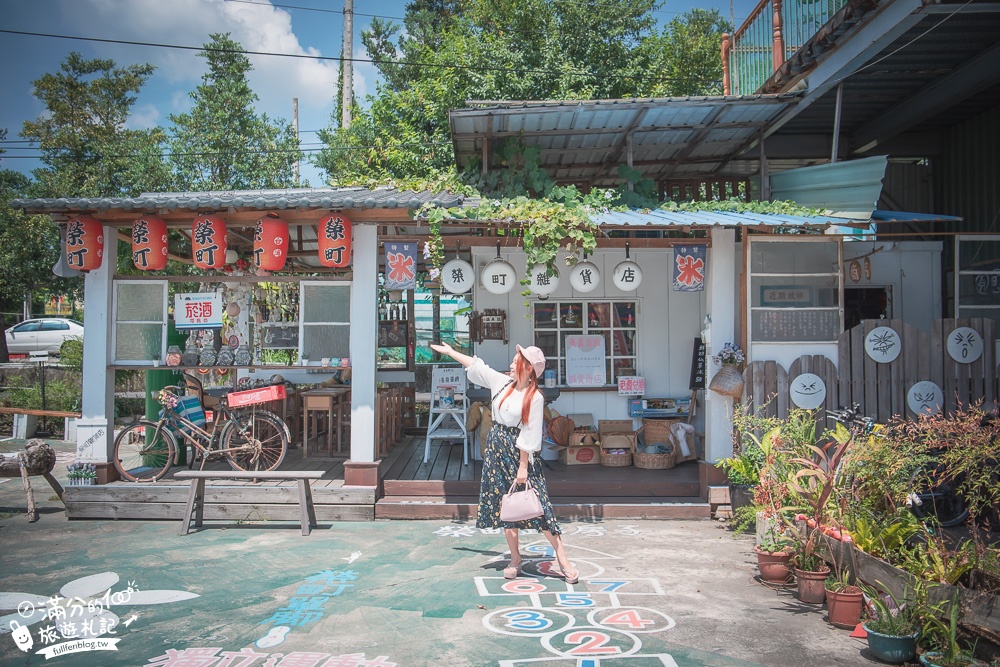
(586, 359)
(198, 310)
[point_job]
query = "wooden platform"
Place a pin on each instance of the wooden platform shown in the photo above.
(444, 488)
(261, 501)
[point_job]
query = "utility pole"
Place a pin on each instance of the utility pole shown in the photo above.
(295, 129)
(347, 84)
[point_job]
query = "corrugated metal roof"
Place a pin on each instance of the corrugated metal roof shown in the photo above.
(848, 189)
(292, 198)
(586, 141)
(905, 216)
(663, 218)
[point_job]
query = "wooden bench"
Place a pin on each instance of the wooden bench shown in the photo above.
(196, 497)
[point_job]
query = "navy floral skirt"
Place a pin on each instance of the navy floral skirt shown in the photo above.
(500, 463)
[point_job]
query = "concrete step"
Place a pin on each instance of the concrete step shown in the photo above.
(566, 507)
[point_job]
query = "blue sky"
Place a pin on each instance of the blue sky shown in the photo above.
(273, 26)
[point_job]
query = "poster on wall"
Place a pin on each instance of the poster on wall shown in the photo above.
(400, 266)
(689, 268)
(198, 310)
(586, 361)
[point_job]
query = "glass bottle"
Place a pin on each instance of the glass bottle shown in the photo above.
(382, 312)
(403, 314)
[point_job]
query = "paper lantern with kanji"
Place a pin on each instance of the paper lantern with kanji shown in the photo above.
(149, 243)
(84, 243)
(270, 243)
(208, 241)
(334, 236)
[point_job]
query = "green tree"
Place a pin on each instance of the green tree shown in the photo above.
(686, 54)
(222, 143)
(86, 148)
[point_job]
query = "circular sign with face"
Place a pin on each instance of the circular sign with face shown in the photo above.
(458, 276)
(627, 276)
(498, 277)
(883, 344)
(585, 277)
(925, 398)
(807, 391)
(965, 345)
(540, 282)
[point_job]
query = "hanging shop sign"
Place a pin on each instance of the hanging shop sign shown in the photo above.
(690, 265)
(807, 391)
(400, 266)
(854, 271)
(883, 344)
(627, 276)
(335, 237)
(586, 361)
(965, 345)
(540, 282)
(458, 276)
(149, 243)
(208, 242)
(925, 398)
(84, 243)
(270, 243)
(498, 277)
(585, 276)
(198, 310)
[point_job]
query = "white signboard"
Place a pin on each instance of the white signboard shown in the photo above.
(883, 344)
(458, 276)
(586, 361)
(627, 276)
(498, 277)
(585, 277)
(631, 386)
(199, 310)
(925, 398)
(541, 283)
(807, 391)
(965, 345)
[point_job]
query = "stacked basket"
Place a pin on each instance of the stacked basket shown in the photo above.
(615, 460)
(656, 431)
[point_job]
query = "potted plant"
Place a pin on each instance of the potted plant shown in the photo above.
(728, 380)
(893, 628)
(843, 600)
(304, 359)
(81, 474)
(773, 556)
(948, 652)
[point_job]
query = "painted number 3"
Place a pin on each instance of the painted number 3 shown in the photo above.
(527, 620)
(590, 643)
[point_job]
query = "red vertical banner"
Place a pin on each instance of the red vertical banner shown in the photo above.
(270, 243)
(334, 236)
(84, 243)
(208, 241)
(149, 243)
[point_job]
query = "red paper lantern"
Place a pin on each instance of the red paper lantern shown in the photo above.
(84, 243)
(208, 240)
(334, 236)
(149, 243)
(270, 243)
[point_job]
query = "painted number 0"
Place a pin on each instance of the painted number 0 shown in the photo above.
(527, 620)
(591, 643)
(629, 618)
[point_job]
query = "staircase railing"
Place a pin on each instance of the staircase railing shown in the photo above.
(774, 31)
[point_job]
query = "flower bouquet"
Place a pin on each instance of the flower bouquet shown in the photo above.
(81, 474)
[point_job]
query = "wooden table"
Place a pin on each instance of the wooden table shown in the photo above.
(333, 401)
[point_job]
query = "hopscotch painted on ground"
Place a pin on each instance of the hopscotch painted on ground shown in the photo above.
(598, 622)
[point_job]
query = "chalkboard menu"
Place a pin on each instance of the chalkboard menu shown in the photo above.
(697, 365)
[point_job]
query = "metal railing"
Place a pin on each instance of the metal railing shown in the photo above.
(774, 31)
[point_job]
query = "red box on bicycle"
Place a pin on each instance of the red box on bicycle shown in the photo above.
(238, 399)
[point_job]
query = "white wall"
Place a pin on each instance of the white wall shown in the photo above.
(668, 324)
(912, 268)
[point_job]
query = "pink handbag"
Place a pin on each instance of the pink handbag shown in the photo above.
(520, 505)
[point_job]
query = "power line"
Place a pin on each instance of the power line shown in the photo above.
(245, 152)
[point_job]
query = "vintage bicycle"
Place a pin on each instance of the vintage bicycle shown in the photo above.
(249, 438)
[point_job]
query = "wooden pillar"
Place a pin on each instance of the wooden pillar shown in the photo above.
(362, 468)
(779, 37)
(727, 88)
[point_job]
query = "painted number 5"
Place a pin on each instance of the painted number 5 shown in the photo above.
(590, 643)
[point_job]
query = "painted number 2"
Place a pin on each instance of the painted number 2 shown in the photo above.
(527, 620)
(590, 643)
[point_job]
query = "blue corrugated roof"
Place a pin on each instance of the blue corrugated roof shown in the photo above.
(662, 218)
(904, 216)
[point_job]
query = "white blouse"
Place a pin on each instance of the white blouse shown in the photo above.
(509, 414)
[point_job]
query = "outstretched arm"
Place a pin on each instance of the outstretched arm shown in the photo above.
(448, 351)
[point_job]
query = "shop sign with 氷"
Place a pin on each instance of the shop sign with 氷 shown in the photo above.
(586, 361)
(689, 268)
(400, 266)
(198, 310)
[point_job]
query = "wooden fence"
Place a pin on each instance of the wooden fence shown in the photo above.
(881, 388)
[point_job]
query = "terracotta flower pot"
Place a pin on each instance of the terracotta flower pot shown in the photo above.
(844, 607)
(812, 586)
(773, 566)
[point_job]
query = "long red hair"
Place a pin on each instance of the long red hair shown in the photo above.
(523, 366)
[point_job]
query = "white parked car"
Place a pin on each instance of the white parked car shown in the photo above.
(42, 335)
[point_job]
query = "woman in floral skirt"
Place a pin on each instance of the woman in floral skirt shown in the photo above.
(513, 447)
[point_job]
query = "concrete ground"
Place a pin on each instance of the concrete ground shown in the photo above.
(392, 593)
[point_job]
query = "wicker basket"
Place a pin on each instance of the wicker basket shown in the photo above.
(654, 461)
(728, 381)
(615, 460)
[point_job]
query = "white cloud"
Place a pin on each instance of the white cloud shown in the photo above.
(143, 117)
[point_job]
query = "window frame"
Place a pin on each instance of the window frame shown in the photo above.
(303, 306)
(163, 322)
(959, 272)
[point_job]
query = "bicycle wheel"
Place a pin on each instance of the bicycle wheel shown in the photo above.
(255, 442)
(144, 451)
(938, 496)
